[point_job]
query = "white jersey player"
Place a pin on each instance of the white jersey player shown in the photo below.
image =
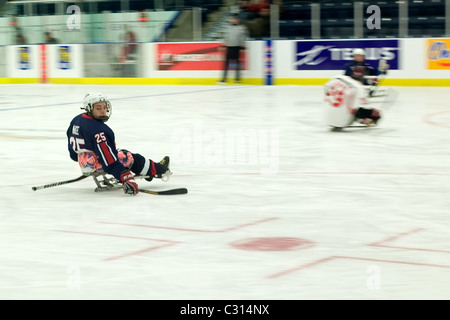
(346, 102)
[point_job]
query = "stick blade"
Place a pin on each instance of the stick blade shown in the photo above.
(174, 191)
(166, 192)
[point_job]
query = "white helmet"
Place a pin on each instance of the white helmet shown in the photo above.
(92, 98)
(359, 51)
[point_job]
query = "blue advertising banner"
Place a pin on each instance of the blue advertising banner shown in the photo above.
(333, 55)
(64, 58)
(24, 58)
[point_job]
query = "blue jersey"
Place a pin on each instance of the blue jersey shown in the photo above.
(357, 70)
(86, 134)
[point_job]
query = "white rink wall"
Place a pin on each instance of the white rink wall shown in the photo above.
(413, 62)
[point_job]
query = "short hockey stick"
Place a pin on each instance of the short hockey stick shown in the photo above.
(166, 192)
(59, 183)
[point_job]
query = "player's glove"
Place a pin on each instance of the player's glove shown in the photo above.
(129, 185)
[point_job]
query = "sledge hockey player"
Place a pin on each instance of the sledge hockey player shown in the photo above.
(363, 72)
(346, 102)
(92, 144)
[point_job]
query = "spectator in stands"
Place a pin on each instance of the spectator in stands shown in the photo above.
(256, 5)
(255, 14)
(259, 27)
(235, 36)
(20, 38)
(243, 13)
(49, 39)
(130, 46)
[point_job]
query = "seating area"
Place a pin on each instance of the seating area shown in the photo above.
(207, 6)
(50, 7)
(425, 18)
(58, 7)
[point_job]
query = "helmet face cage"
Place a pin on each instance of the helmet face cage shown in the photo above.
(92, 98)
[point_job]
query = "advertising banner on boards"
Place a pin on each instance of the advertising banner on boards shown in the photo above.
(192, 56)
(334, 54)
(438, 54)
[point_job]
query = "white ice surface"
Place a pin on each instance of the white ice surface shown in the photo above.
(367, 210)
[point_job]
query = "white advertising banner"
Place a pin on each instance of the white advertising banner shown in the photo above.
(23, 61)
(64, 61)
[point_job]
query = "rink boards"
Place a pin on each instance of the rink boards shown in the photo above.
(414, 62)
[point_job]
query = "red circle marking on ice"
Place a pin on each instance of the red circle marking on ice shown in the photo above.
(272, 244)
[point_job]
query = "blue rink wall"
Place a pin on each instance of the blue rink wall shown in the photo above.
(413, 62)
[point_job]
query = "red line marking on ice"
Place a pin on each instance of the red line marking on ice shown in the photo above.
(314, 263)
(428, 119)
(414, 249)
(394, 261)
(304, 266)
(113, 235)
(168, 243)
(395, 237)
(139, 252)
(191, 230)
(382, 243)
